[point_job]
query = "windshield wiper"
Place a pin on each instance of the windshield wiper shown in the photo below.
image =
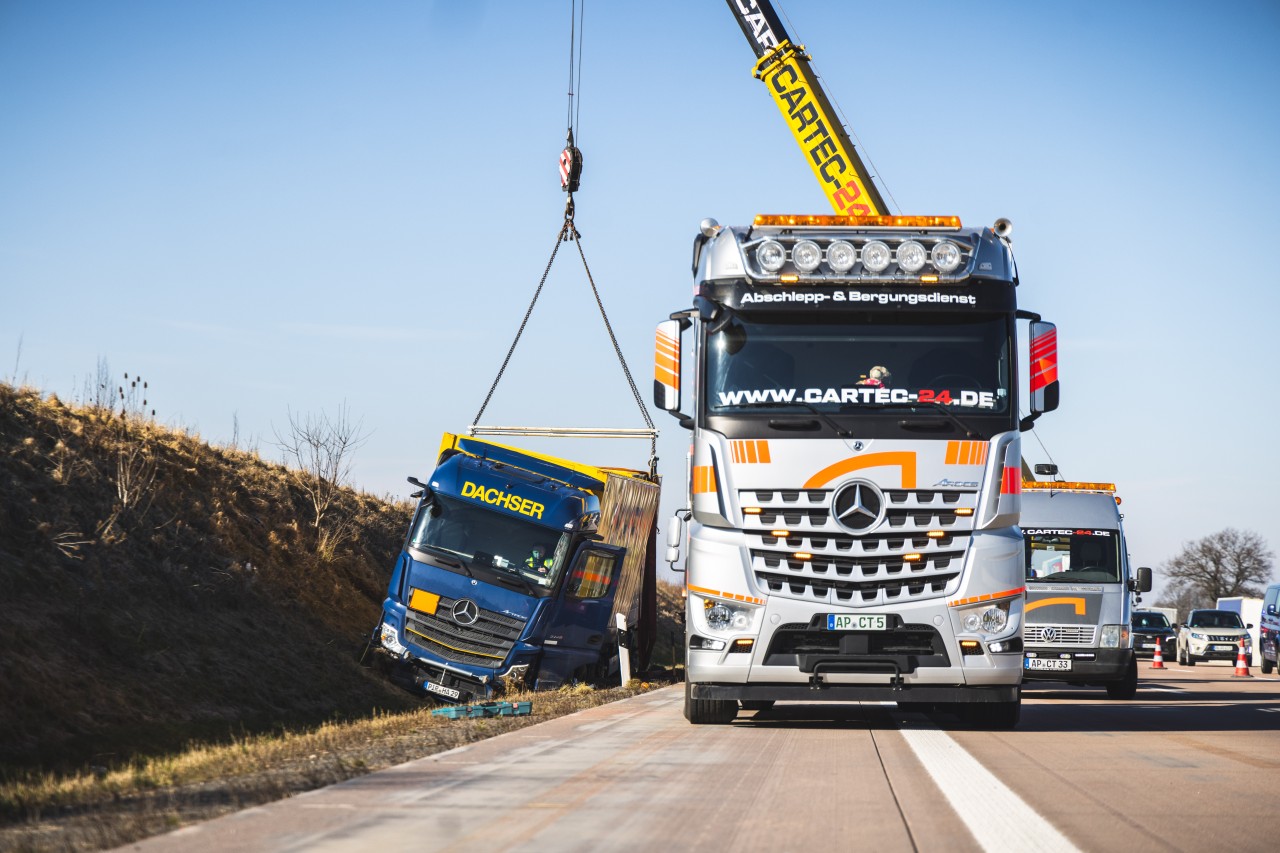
(445, 556)
(841, 432)
(942, 408)
(509, 578)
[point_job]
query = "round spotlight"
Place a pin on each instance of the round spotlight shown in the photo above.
(876, 256)
(719, 617)
(972, 621)
(806, 255)
(911, 256)
(945, 256)
(994, 619)
(840, 256)
(771, 256)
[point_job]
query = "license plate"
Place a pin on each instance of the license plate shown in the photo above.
(857, 622)
(441, 689)
(1056, 664)
(1148, 645)
(1223, 648)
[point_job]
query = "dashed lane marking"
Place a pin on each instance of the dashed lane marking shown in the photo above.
(997, 817)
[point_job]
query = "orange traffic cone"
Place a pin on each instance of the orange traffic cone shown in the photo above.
(1157, 660)
(1242, 665)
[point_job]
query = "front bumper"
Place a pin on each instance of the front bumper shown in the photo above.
(855, 692)
(1144, 645)
(1087, 665)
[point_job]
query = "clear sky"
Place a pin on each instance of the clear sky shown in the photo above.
(272, 206)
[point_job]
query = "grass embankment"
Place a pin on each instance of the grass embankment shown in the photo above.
(90, 811)
(158, 591)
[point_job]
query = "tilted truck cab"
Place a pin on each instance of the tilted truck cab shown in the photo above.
(1078, 587)
(514, 570)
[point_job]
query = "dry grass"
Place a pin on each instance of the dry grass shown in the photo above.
(91, 811)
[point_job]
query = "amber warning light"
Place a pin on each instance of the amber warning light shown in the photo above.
(830, 221)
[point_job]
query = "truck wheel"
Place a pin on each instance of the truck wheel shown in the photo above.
(716, 712)
(1267, 665)
(993, 715)
(1127, 686)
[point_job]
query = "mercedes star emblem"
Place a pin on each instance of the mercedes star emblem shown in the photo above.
(858, 506)
(466, 612)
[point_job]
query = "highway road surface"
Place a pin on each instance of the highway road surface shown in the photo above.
(1192, 763)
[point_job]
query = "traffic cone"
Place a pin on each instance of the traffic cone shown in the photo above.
(1242, 665)
(1157, 660)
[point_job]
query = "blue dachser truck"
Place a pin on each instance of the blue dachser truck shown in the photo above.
(514, 570)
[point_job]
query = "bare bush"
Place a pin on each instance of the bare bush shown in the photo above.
(319, 449)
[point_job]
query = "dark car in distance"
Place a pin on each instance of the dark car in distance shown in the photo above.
(1145, 626)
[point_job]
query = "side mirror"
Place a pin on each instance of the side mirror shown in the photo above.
(1248, 627)
(675, 535)
(1144, 579)
(1271, 610)
(1043, 358)
(1044, 469)
(666, 367)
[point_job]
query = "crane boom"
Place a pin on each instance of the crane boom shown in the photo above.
(784, 68)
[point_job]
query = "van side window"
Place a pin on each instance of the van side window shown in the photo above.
(592, 575)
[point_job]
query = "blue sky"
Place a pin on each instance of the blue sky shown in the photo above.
(273, 206)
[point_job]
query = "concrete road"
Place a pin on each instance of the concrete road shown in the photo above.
(1184, 766)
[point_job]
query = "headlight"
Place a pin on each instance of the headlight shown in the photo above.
(945, 256)
(806, 255)
(840, 256)
(389, 639)
(911, 256)
(724, 616)
(876, 256)
(1114, 636)
(991, 619)
(770, 255)
(1197, 636)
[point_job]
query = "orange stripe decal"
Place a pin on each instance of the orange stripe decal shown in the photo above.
(904, 459)
(1076, 602)
(993, 596)
(704, 479)
(732, 596)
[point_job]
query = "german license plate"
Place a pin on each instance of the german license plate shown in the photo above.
(441, 689)
(1056, 664)
(1223, 648)
(857, 622)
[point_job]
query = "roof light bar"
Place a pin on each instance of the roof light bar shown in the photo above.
(1068, 486)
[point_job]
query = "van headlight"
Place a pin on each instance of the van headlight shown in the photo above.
(1114, 636)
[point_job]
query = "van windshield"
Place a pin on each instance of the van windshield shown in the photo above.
(492, 541)
(1072, 555)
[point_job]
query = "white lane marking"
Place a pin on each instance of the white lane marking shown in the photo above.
(997, 817)
(1162, 690)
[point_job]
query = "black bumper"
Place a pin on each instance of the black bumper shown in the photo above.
(854, 693)
(1101, 665)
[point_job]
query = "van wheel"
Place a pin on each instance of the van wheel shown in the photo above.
(1268, 665)
(716, 712)
(1127, 686)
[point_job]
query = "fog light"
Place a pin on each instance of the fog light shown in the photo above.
(970, 647)
(742, 645)
(876, 256)
(705, 643)
(771, 256)
(806, 255)
(840, 256)
(945, 256)
(911, 256)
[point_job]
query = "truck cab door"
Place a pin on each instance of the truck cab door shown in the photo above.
(580, 624)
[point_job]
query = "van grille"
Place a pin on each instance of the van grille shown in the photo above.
(486, 643)
(1058, 635)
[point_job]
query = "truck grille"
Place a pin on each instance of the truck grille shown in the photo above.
(858, 570)
(911, 646)
(1058, 635)
(486, 643)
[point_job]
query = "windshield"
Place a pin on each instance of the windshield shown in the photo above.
(840, 363)
(1215, 619)
(1150, 620)
(1072, 556)
(483, 539)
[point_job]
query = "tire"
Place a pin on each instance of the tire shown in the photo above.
(1126, 687)
(701, 712)
(756, 704)
(993, 715)
(1268, 665)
